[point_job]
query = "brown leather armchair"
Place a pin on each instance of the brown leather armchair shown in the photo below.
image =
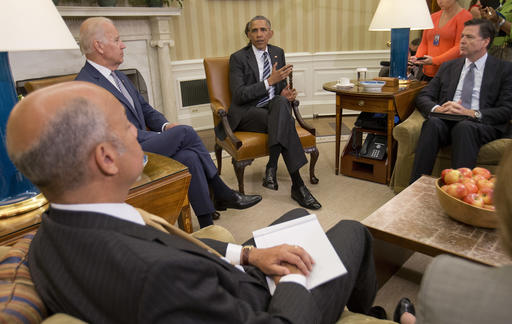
(244, 147)
(34, 85)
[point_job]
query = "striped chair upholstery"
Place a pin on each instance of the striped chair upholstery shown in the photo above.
(19, 301)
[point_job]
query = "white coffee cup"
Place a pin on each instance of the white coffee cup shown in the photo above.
(344, 81)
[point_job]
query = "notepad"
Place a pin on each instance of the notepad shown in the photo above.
(307, 233)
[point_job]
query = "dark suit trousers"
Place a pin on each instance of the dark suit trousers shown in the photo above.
(184, 145)
(356, 289)
(466, 138)
(275, 119)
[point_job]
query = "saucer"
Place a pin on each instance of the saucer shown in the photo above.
(344, 86)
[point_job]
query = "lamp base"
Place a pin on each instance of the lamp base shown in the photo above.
(14, 187)
(399, 53)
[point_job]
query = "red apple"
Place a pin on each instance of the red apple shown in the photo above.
(474, 199)
(443, 173)
(482, 171)
(490, 207)
(478, 177)
(466, 172)
(457, 190)
(492, 180)
(487, 194)
(483, 183)
(452, 176)
(444, 188)
(470, 185)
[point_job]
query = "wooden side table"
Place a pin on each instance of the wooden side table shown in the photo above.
(391, 101)
(161, 190)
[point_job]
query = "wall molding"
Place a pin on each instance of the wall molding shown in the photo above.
(311, 71)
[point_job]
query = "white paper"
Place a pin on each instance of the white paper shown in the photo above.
(307, 233)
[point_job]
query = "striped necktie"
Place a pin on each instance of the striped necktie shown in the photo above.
(123, 90)
(266, 73)
(466, 95)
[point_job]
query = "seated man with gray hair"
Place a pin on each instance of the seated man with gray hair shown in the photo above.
(95, 258)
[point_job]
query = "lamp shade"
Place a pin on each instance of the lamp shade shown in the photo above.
(32, 25)
(413, 14)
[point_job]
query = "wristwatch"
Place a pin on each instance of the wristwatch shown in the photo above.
(478, 115)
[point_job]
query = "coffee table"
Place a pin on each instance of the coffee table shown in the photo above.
(414, 220)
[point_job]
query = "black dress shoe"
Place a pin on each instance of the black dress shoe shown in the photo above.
(239, 201)
(215, 215)
(404, 306)
(378, 312)
(270, 180)
(305, 198)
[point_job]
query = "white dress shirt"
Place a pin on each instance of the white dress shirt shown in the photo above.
(479, 74)
(259, 58)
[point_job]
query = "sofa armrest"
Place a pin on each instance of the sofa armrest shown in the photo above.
(408, 132)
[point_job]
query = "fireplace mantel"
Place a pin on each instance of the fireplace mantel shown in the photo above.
(74, 11)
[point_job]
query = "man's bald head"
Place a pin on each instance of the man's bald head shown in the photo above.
(52, 133)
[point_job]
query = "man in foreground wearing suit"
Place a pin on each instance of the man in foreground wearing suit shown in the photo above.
(477, 86)
(261, 103)
(95, 258)
(100, 43)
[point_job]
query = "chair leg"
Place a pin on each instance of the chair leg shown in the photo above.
(239, 167)
(314, 157)
(218, 155)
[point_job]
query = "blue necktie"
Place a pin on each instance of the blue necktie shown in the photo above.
(123, 90)
(266, 73)
(467, 87)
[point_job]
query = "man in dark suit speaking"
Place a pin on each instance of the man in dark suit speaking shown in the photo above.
(477, 86)
(257, 79)
(95, 258)
(103, 48)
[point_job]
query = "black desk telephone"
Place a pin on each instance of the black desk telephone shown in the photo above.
(374, 147)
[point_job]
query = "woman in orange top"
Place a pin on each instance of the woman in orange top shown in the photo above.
(441, 44)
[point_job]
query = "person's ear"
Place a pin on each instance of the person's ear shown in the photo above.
(98, 46)
(106, 158)
(271, 33)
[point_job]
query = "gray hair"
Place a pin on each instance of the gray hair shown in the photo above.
(58, 160)
(94, 31)
(248, 25)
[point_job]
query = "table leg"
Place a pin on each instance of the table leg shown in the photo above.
(339, 111)
(185, 219)
(391, 123)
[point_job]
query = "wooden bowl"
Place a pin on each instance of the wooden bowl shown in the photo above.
(465, 212)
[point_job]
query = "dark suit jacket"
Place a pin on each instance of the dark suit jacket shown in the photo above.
(495, 92)
(244, 81)
(144, 115)
(105, 270)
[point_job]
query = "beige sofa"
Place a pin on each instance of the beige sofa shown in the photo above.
(20, 303)
(407, 134)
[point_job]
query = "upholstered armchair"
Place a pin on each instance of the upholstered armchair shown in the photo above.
(34, 85)
(407, 134)
(244, 147)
